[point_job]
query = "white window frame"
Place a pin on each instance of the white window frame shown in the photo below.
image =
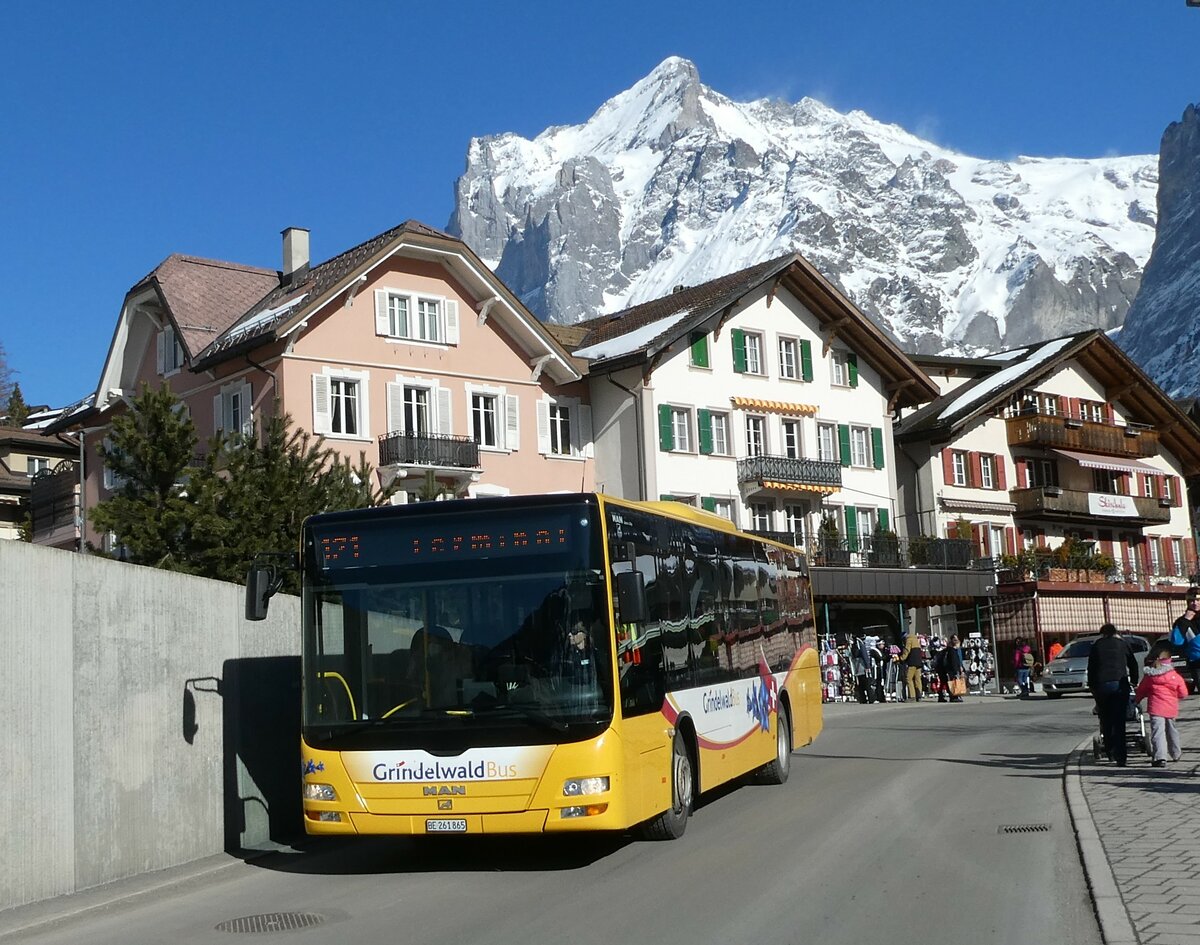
(579, 424)
(839, 370)
(987, 471)
(231, 398)
(507, 417)
(682, 443)
(792, 438)
(1049, 405)
(789, 358)
(726, 508)
(958, 464)
(483, 406)
(756, 430)
(420, 408)
(418, 321)
(323, 418)
(755, 363)
(995, 535)
(761, 516)
(860, 447)
(35, 464)
(719, 421)
(827, 431)
(795, 520)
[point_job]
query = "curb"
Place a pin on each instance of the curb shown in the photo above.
(1116, 928)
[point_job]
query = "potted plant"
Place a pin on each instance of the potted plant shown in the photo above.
(885, 548)
(829, 543)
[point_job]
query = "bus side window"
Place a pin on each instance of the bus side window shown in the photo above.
(710, 651)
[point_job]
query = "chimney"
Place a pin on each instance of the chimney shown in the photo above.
(295, 254)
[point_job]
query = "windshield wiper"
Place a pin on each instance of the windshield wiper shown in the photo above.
(531, 713)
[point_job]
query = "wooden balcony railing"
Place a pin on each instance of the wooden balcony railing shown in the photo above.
(1056, 502)
(1069, 433)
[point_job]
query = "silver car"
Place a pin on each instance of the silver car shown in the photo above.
(1067, 672)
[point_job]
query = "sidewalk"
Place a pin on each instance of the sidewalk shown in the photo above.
(1138, 837)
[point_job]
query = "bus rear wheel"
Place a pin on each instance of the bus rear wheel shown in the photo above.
(671, 823)
(777, 769)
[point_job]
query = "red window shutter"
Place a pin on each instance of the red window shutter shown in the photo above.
(1110, 416)
(1022, 473)
(1001, 479)
(977, 538)
(1075, 408)
(948, 466)
(1160, 486)
(1010, 540)
(1039, 537)
(1189, 552)
(1168, 555)
(1176, 492)
(975, 465)
(1123, 484)
(1062, 406)
(1106, 541)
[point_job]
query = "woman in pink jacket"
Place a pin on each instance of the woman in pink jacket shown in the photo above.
(1162, 688)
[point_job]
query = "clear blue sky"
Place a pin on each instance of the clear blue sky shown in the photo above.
(132, 130)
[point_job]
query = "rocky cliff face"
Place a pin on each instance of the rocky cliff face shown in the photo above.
(1162, 332)
(670, 182)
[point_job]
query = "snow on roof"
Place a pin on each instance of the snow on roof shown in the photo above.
(631, 341)
(1005, 376)
(263, 318)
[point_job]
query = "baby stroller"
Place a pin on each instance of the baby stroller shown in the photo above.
(1137, 734)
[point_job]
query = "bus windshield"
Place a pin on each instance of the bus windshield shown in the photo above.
(493, 628)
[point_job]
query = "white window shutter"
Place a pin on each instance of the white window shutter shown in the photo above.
(218, 413)
(512, 423)
(395, 408)
(543, 426)
(444, 423)
(162, 352)
(451, 322)
(322, 409)
(583, 424)
(382, 325)
(247, 409)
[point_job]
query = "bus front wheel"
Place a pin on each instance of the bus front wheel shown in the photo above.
(776, 770)
(671, 823)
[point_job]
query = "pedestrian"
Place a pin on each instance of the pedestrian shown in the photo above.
(1055, 648)
(1162, 688)
(950, 670)
(1111, 672)
(1185, 636)
(913, 659)
(1023, 662)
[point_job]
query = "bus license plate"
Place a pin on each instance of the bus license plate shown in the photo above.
(445, 825)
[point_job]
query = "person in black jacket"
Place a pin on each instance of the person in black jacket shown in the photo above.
(1112, 673)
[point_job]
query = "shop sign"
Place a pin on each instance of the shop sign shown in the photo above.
(1100, 503)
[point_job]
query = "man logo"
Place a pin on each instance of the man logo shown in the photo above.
(447, 804)
(441, 790)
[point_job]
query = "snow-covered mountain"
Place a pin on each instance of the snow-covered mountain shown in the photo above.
(1162, 332)
(673, 183)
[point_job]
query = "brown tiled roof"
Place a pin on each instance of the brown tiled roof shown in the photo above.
(35, 438)
(568, 337)
(701, 300)
(313, 284)
(206, 296)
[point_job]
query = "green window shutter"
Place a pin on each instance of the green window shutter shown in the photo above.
(666, 433)
(704, 421)
(852, 528)
(852, 367)
(806, 360)
(708, 503)
(666, 498)
(700, 350)
(877, 446)
(883, 520)
(739, 350)
(844, 443)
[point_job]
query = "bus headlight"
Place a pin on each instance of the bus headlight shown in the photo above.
(591, 810)
(578, 786)
(319, 792)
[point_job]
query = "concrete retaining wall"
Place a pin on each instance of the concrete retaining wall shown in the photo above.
(144, 722)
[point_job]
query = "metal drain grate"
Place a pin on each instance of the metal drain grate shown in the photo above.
(271, 922)
(1024, 828)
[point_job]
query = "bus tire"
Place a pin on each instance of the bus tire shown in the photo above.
(777, 769)
(671, 823)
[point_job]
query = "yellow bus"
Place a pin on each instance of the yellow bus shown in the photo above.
(543, 664)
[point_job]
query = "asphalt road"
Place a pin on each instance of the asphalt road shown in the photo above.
(887, 831)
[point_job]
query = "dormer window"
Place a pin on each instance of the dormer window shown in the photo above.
(170, 352)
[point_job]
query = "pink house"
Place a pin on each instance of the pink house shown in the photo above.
(406, 349)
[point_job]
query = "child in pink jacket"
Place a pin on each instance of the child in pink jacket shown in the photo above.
(1162, 688)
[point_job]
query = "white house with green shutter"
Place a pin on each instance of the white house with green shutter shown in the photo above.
(765, 396)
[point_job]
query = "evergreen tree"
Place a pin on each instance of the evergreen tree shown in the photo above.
(150, 452)
(6, 377)
(17, 411)
(253, 494)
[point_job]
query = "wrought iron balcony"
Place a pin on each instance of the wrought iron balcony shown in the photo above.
(433, 450)
(1070, 433)
(799, 471)
(885, 551)
(1059, 503)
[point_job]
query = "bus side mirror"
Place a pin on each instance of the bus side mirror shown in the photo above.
(260, 585)
(631, 595)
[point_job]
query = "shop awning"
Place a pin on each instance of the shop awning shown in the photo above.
(773, 406)
(799, 487)
(1111, 463)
